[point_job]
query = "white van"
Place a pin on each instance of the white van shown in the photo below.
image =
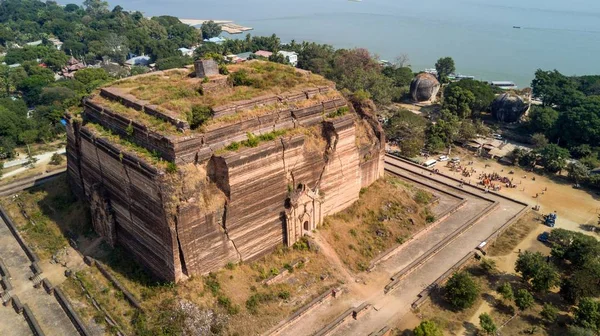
(429, 163)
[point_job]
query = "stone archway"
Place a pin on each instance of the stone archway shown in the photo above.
(306, 226)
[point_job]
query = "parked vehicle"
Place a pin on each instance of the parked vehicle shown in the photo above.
(443, 158)
(429, 163)
(543, 237)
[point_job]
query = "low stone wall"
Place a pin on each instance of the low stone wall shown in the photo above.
(245, 105)
(126, 293)
(318, 301)
(32, 321)
(443, 243)
(283, 272)
(438, 283)
(13, 228)
(489, 240)
(385, 331)
(68, 308)
(459, 181)
(348, 315)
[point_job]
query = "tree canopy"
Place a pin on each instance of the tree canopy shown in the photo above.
(483, 94)
(461, 290)
(444, 67)
(210, 29)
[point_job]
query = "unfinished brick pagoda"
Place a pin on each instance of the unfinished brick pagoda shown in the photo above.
(277, 154)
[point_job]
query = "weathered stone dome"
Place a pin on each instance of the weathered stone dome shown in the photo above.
(508, 107)
(424, 87)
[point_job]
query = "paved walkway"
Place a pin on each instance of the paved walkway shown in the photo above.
(392, 306)
(48, 312)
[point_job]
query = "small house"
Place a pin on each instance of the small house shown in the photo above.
(186, 52)
(56, 42)
(138, 60)
(244, 56)
(291, 56)
(263, 53)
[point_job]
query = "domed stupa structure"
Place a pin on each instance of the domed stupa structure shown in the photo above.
(424, 87)
(508, 107)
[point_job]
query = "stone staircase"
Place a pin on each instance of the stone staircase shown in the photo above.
(6, 298)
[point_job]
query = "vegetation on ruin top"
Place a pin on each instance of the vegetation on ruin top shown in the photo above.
(151, 122)
(123, 143)
(178, 92)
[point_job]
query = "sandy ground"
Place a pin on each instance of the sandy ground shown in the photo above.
(575, 208)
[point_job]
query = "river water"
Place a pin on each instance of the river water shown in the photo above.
(478, 34)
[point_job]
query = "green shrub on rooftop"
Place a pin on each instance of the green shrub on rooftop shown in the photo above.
(198, 115)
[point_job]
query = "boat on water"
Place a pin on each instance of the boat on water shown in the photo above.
(517, 27)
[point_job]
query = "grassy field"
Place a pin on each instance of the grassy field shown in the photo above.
(387, 213)
(514, 235)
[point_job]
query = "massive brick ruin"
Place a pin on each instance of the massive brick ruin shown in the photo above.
(188, 201)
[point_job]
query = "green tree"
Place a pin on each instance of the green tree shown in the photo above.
(467, 130)
(90, 75)
(428, 328)
(482, 92)
(96, 7)
(444, 66)
(580, 124)
(581, 151)
(210, 29)
(542, 119)
(458, 101)
(539, 140)
(549, 312)
(579, 331)
(505, 289)
(407, 130)
(7, 146)
(553, 158)
(443, 133)
(523, 300)
(554, 89)
(528, 263)
(582, 283)
(487, 324)
(545, 278)
(577, 171)
(461, 290)
(587, 314)
(401, 76)
(173, 62)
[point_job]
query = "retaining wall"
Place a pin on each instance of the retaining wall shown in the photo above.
(317, 302)
(349, 315)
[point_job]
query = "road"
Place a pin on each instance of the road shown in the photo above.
(390, 307)
(43, 158)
